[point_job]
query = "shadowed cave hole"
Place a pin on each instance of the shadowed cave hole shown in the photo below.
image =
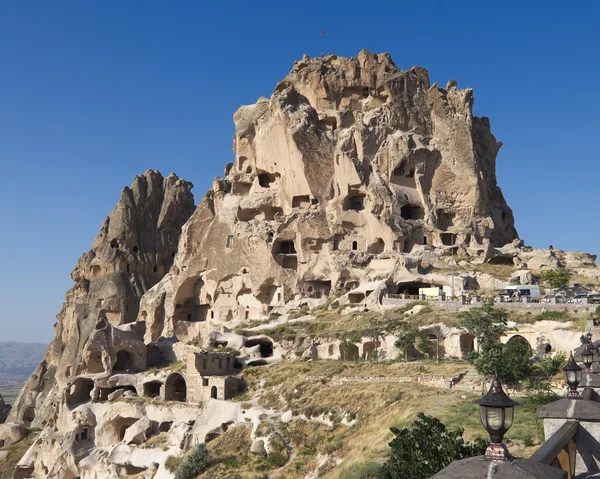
(265, 346)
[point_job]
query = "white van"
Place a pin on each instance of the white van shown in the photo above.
(531, 290)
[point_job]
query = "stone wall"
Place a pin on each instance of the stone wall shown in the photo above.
(459, 306)
(428, 380)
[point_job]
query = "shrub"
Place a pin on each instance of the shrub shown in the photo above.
(271, 461)
(556, 278)
(173, 462)
(194, 464)
(426, 448)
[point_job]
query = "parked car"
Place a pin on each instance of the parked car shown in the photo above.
(594, 298)
(578, 298)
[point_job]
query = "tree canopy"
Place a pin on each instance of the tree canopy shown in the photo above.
(426, 448)
(406, 335)
(556, 278)
(487, 324)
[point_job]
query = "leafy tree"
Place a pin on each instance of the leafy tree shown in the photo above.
(406, 335)
(194, 464)
(426, 448)
(543, 370)
(510, 362)
(376, 331)
(430, 340)
(556, 278)
(487, 324)
(346, 340)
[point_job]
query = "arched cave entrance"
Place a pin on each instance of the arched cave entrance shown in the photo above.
(94, 362)
(152, 389)
(79, 392)
(124, 362)
(265, 346)
(411, 288)
(175, 388)
(467, 344)
(349, 352)
(213, 392)
(501, 260)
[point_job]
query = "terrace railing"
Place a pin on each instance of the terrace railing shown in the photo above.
(560, 450)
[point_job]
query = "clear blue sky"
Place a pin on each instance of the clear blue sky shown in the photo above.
(93, 93)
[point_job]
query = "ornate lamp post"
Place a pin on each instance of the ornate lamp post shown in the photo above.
(496, 412)
(587, 357)
(572, 373)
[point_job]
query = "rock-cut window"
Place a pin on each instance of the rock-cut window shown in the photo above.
(229, 241)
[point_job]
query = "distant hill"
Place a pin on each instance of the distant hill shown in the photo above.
(18, 360)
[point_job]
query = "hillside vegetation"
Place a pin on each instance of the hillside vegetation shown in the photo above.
(343, 430)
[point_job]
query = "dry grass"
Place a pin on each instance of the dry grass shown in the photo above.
(15, 453)
(159, 440)
(175, 366)
(374, 408)
(501, 271)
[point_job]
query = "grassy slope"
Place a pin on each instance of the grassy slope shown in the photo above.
(15, 453)
(375, 406)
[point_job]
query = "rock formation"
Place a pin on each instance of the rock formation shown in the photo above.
(135, 247)
(353, 169)
(353, 179)
(4, 410)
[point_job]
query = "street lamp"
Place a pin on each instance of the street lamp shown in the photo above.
(572, 373)
(587, 357)
(496, 412)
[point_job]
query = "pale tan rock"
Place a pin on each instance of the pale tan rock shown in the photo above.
(258, 447)
(11, 433)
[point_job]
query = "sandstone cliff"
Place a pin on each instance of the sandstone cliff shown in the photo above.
(135, 247)
(351, 162)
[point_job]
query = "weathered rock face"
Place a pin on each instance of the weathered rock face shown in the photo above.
(4, 410)
(135, 247)
(352, 170)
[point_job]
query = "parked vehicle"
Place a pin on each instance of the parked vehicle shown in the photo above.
(516, 291)
(578, 298)
(593, 298)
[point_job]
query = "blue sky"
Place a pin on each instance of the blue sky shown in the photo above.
(93, 93)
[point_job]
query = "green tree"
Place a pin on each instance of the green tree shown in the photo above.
(510, 362)
(543, 370)
(426, 448)
(556, 278)
(431, 340)
(487, 324)
(346, 340)
(376, 331)
(406, 335)
(194, 464)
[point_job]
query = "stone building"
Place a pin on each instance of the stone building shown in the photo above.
(209, 375)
